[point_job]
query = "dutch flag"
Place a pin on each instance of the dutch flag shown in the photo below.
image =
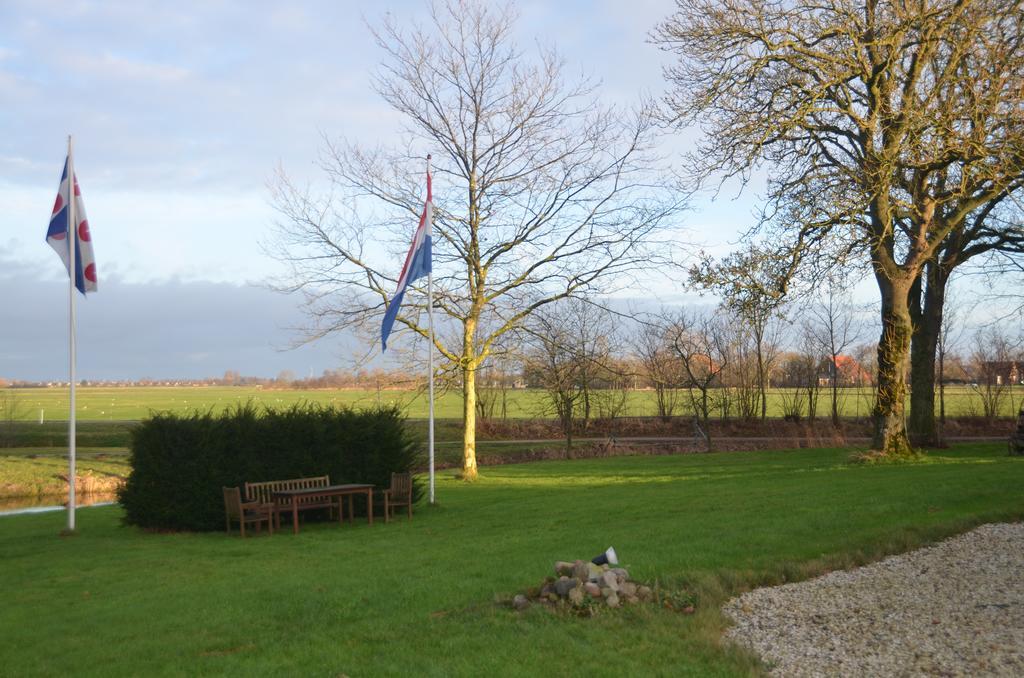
(56, 235)
(417, 265)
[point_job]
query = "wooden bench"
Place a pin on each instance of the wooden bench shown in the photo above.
(264, 493)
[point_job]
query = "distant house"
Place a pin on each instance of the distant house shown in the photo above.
(843, 371)
(1003, 372)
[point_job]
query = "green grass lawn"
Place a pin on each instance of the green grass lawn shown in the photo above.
(134, 403)
(417, 598)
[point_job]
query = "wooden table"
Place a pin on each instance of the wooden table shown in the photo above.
(290, 498)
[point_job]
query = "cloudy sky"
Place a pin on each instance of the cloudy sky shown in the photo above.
(181, 112)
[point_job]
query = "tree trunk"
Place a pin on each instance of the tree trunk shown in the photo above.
(941, 428)
(890, 435)
(762, 384)
(812, 397)
(835, 388)
(567, 426)
(706, 417)
(586, 401)
(469, 365)
(469, 470)
(927, 319)
(661, 401)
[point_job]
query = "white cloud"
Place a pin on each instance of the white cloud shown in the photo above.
(148, 236)
(182, 112)
(110, 66)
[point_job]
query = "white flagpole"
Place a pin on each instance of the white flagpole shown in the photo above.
(72, 241)
(430, 346)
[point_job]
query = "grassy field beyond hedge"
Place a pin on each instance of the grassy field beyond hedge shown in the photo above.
(134, 403)
(417, 598)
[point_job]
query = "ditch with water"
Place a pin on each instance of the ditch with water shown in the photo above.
(13, 506)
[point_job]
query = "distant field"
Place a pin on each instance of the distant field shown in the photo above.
(134, 403)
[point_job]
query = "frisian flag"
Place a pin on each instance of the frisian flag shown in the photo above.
(417, 265)
(56, 235)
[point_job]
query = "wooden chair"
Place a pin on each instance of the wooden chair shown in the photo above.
(400, 493)
(245, 512)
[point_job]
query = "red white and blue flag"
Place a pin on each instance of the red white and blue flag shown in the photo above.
(417, 265)
(57, 235)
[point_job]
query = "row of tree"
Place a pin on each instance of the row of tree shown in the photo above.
(891, 133)
(716, 365)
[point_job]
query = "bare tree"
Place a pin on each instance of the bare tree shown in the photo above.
(792, 401)
(612, 400)
(792, 397)
(652, 344)
(802, 372)
(991, 369)
(540, 193)
(493, 383)
(891, 129)
(593, 335)
(809, 370)
(568, 345)
(739, 382)
(553, 365)
(866, 355)
(833, 327)
(609, 375)
(753, 289)
(700, 345)
(949, 334)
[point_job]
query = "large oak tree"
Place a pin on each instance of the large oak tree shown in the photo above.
(885, 128)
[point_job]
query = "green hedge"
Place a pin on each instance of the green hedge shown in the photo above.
(180, 462)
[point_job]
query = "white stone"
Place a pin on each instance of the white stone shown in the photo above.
(955, 608)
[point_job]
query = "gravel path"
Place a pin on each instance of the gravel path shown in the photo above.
(953, 609)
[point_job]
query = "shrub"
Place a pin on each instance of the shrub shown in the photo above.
(180, 462)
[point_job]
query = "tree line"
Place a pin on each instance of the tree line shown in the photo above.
(890, 136)
(717, 363)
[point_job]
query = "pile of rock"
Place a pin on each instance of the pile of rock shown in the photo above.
(582, 584)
